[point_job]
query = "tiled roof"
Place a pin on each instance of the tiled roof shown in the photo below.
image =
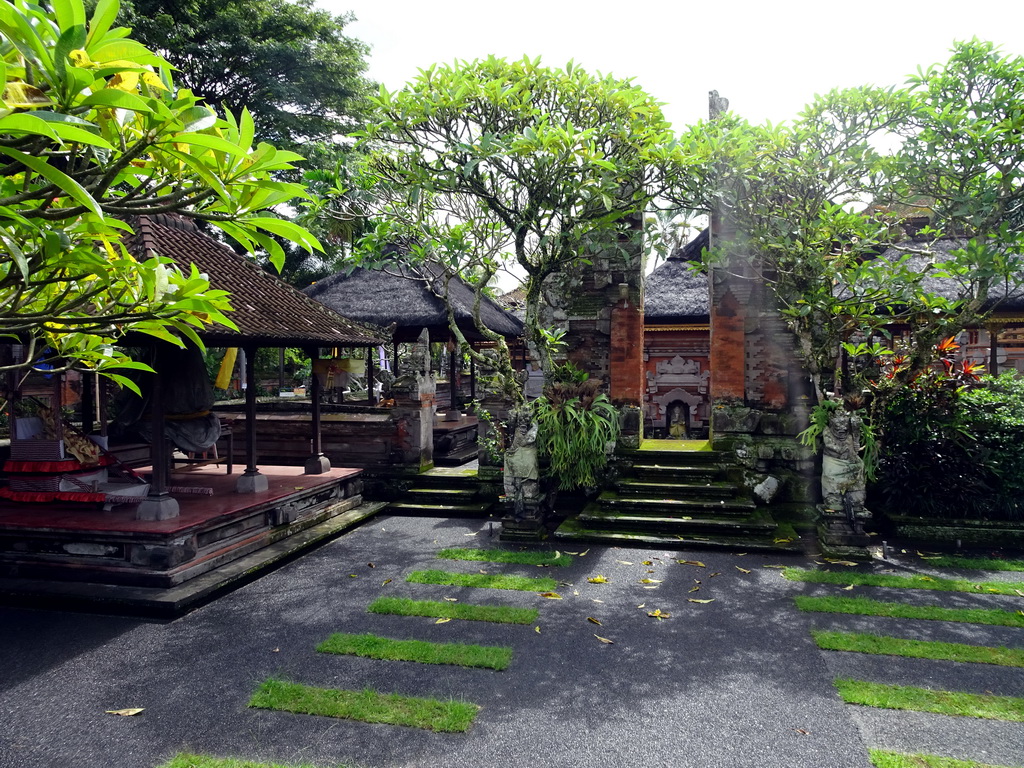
(267, 310)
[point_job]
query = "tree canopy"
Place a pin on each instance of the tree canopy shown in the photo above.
(290, 64)
(93, 131)
(485, 163)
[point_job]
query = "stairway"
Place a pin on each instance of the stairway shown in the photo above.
(678, 494)
(444, 492)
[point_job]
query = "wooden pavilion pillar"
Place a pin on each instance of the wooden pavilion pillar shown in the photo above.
(159, 505)
(453, 389)
(251, 480)
(317, 463)
(993, 347)
(371, 396)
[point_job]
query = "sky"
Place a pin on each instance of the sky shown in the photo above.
(769, 58)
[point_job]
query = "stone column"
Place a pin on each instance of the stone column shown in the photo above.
(317, 463)
(159, 504)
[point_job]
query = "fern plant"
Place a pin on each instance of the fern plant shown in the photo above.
(575, 425)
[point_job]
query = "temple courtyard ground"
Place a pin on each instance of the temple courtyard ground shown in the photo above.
(731, 677)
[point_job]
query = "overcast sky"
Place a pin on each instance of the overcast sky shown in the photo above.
(768, 57)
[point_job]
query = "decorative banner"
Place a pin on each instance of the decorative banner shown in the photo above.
(227, 365)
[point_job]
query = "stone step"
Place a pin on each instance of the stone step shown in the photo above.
(675, 507)
(446, 477)
(440, 495)
(479, 509)
(669, 473)
(677, 458)
(668, 490)
(574, 530)
(594, 516)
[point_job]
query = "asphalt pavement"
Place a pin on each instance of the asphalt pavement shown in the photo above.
(736, 682)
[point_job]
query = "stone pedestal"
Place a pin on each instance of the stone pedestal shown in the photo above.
(317, 465)
(252, 482)
(841, 534)
(158, 508)
(414, 395)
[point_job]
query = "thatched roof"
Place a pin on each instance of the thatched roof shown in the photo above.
(674, 292)
(401, 295)
(922, 254)
(267, 310)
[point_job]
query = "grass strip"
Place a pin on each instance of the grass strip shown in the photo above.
(976, 563)
(863, 606)
(457, 654)
(904, 582)
(482, 580)
(881, 758)
(885, 696)
(185, 760)
(505, 556)
(883, 645)
(367, 706)
(498, 614)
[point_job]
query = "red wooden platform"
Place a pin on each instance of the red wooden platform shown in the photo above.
(81, 542)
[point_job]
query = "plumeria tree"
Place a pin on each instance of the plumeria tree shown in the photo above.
(93, 132)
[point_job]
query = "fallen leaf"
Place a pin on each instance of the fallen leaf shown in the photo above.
(594, 599)
(276, 650)
(702, 602)
(848, 588)
(802, 731)
(648, 562)
(658, 614)
(642, 605)
(654, 587)
(557, 554)
(452, 599)
(353, 576)
(697, 563)
(605, 640)
(571, 553)
(1019, 592)
(849, 563)
(650, 581)
(576, 592)
(592, 620)
(650, 570)
(624, 562)
(598, 579)
(693, 589)
(300, 487)
(742, 570)
(483, 572)
(716, 573)
(584, 553)
(474, 533)
(442, 621)
(370, 565)
(926, 578)
(773, 566)
(551, 595)
(537, 630)
(131, 712)
(741, 554)
(385, 582)
(782, 541)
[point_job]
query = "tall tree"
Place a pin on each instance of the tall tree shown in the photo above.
(93, 131)
(290, 64)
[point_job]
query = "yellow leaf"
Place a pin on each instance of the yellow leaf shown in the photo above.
(353, 576)
(576, 592)
(385, 582)
(537, 630)
(742, 570)
(605, 640)
(782, 541)
(152, 79)
(557, 554)
(124, 81)
(693, 589)
(483, 572)
(697, 563)
(452, 599)
(598, 580)
(658, 614)
(926, 578)
(595, 600)
(584, 553)
(848, 563)
(592, 620)
(624, 562)
(716, 573)
(702, 602)
(654, 587)
(551, 595)
(80, 58)
(648, 562)
(297, 487)
(474, 533)
(276, 650)
(848, 588)
(442, 621)
(19, 95)
(642, 605)
(741, 554)
(1019, 592)
(571, 553)
(773, 566)
(124, 712)
(650, 581)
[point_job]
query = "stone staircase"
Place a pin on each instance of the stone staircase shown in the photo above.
(678, 494)
(444, 492)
